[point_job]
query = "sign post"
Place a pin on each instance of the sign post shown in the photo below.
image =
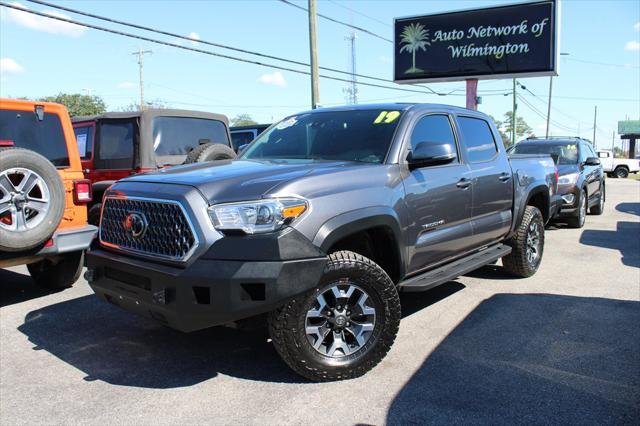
(472, 93)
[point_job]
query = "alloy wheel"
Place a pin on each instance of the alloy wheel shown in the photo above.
(583, 208)
(24, 199)
(341, 321)
(533, 243)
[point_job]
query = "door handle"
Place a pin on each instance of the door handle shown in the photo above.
(504, 177)
(464, 183)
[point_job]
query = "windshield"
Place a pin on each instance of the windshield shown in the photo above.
(179, 135)
(22, 129)
(567, 153)
(361, 135)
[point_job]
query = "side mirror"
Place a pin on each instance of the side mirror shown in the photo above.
(555, 158)
(592, 161)
(431, 154)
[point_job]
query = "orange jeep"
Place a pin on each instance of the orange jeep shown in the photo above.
(43, 193)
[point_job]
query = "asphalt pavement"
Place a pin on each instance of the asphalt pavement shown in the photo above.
(560, 347)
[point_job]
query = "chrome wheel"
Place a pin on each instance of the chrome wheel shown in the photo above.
(24, 199)
(341, 320)
(583, 208)
(533, 243)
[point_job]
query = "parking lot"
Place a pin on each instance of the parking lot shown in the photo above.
(560, 347)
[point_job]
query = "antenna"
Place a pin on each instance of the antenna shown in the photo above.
(351, 91)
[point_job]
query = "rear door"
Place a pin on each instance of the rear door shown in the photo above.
(492, 180)
(593, 174)
(113, 153)
(438, 199)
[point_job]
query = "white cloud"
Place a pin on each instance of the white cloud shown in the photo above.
(126, 85)
(637, 26)
(632, 46)
(194, 36)
(276, 78)
(40, 23)
(9, 66)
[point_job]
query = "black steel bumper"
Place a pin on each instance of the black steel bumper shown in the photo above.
(208, 291)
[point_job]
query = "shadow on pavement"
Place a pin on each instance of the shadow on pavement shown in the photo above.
(17, 288)
(116, 347)
(631, 208)
(624, 238)
(542, 359)
(415, 302)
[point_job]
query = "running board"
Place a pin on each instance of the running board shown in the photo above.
(452, 270)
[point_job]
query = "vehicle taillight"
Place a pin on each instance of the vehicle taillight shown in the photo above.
(82, 191)
(4, 142)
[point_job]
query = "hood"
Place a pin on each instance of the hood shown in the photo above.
(237, 180)
(567, 169)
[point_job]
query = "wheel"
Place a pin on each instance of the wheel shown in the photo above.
(210, 152)
(93, 216)
(32, 199)
(527, 245)
(599, 209)
(59, 273)
(577, 221)
(621, 172)
(611, 175)
(344, 327)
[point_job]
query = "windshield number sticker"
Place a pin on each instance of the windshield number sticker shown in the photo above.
(386, 117)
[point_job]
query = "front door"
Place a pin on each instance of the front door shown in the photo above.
(438, 199)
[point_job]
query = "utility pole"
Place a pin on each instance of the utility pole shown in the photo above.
(140, 53)
(613, 143)
(549, 105)
(351, 90)
(595, 116)
(313, 53)
(513, 115)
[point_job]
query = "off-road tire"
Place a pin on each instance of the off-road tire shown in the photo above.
(621, 172)
(516, 262)
(56, 274)
(210, 152)
(598, 209)
(287, 324)
(579, 220)
(13, 240)
(93, 215)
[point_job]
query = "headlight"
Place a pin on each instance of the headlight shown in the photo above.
(569, 179)
(256, 217)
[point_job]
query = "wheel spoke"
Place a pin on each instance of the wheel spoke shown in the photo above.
(37, 205)
(338, 343)
(28, 182)
(318, 313)
(5, 205)
(365, 310)
(19, 219)
(358, 331)
(320, 332)
(5, 184)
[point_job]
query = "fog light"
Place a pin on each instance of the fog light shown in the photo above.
(568, 198)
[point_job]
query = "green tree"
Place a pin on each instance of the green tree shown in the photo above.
(506, 139)
(243, 120)
(414, 37)
(78, 104)
(522, 128)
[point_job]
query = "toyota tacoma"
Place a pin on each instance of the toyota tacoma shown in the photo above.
(320, 223)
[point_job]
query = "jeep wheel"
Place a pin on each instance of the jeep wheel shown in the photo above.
(210, 152)
(32, 199)
(578, 220)
(527, 245)
(58, 273)
(621, 172)
(344, 327)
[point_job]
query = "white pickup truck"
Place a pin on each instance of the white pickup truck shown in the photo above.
(617, 167)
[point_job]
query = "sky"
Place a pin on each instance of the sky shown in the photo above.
(41, 57)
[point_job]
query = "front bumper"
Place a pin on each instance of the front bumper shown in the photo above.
(568, 209)
(205, 293)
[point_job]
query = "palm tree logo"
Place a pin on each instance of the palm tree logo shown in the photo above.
(414, 37)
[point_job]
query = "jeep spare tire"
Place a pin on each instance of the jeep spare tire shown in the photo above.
(210, 152)
(32, 199)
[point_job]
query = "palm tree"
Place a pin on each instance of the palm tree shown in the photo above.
(414, 37)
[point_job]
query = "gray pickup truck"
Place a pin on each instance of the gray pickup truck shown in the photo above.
(320, 223)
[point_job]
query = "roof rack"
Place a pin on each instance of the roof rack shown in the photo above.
(540, 138)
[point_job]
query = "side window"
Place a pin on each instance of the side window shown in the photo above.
(591, 152)
(116, 141)
(434, 129)
(241, 138)
(584, 152)
(602, 154)
(477, 139)
(84, 138)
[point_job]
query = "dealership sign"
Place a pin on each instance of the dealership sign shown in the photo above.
(497, 42)
(627, 127)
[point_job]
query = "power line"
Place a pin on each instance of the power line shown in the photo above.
(219, 45)
(361, 14)
(206, 52)
(602, 63)
(328, 18)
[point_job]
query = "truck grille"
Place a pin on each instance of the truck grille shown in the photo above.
(155, 228)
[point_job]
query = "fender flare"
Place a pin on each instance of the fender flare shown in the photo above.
(531, 191)
(358, 220)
